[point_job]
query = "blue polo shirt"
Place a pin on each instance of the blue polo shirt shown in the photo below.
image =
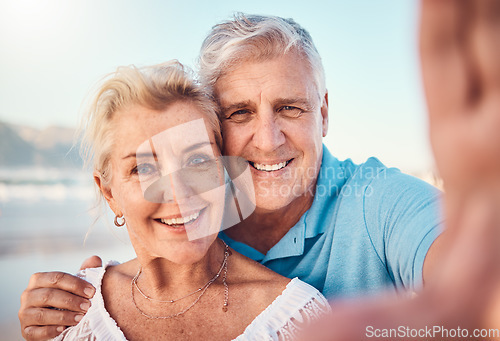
(369, 228)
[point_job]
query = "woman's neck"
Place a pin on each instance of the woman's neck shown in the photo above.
(165, 280)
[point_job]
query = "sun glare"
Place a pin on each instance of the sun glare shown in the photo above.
(26, 19)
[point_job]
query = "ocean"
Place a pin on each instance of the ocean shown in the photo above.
(48, 223)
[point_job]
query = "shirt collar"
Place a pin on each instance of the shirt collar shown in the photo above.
(331, 178)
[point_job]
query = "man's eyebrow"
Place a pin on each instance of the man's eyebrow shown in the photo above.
(303, 102)
(235, 106)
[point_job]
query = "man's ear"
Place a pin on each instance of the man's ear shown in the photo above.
(324, 114)
(107, 193)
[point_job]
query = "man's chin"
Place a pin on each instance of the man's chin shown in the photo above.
(268, 200)
(269, 204)
(276, 194)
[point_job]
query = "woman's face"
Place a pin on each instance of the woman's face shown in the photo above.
(167, 181)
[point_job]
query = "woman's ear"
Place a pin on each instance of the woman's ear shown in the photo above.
(107, 193)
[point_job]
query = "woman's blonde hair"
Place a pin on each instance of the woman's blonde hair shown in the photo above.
(155, 87)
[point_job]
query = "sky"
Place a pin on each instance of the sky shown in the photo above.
(53, 51)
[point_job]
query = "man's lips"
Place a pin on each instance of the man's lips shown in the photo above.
(270, 167)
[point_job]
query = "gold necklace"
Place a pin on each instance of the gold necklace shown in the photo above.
(203, 289)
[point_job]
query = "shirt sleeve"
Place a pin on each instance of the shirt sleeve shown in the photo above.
(403, 218)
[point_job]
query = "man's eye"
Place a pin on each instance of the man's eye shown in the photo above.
(239, 115)
(290, 111)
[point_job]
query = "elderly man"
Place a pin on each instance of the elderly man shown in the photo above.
(346, 229)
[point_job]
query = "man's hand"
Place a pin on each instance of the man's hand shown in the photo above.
(53, 301)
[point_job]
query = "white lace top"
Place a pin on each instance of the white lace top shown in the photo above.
(297, 305)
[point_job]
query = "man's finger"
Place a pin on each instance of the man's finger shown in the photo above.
(91, 262)
(49, 317)
(62, 281)
(36, 333)
(50, 297)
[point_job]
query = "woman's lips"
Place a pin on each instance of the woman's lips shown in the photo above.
(181, 222)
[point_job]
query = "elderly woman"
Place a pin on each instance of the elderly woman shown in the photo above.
(154, 139)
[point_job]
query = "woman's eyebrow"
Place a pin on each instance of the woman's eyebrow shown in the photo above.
(153, 155)
(196, 146)
(145, 154)
(140, 155)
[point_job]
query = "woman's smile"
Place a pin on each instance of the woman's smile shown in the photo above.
(181, 222)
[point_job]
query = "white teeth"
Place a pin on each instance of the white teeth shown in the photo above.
(269, 168)
(181, 220)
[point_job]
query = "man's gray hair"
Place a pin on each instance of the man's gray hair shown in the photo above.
(255, 38)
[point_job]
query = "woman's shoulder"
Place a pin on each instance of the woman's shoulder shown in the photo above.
(116, 279)
(109, 281)
(250, 281)
(117, 269)
(249, 272)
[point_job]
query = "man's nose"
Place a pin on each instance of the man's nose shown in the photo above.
(268, 134)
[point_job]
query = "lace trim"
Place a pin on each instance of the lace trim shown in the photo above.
(297, 306)
(80, 332)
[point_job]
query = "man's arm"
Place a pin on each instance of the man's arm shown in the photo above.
(435, 254)
(53, 301)
(404, 220)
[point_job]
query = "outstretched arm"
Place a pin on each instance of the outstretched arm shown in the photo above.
(460, 51)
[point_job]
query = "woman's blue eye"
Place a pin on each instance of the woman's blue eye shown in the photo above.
(145, 169)
(198, 160)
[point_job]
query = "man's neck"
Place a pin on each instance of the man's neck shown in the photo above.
(263, 229)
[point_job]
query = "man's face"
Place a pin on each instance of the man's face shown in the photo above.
(274, 116)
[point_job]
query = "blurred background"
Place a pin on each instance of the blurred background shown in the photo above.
(53, 51)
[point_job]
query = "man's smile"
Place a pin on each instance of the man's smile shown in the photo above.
(270, 167)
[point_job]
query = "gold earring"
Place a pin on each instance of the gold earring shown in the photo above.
(117, 223)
